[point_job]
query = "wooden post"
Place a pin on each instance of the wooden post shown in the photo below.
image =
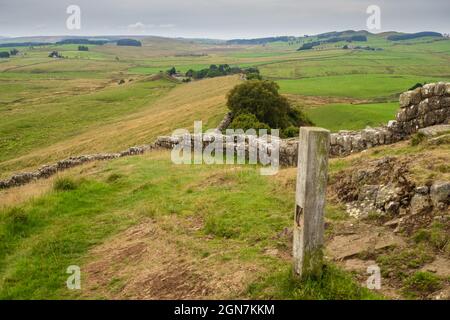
(310, 194)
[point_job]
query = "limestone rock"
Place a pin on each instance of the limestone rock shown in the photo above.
(440, 193)
(420, 203)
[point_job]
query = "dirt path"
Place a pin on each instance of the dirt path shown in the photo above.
(149, 262)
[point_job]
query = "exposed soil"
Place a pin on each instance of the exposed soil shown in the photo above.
(149, 262)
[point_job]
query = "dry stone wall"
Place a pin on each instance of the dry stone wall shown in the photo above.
(419, 108)
(51, 169)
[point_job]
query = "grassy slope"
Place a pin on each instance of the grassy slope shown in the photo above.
(236, 207)
(336, 117)
(109, 119)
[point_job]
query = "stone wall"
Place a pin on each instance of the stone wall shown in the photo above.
(419, 108)
(48, 170)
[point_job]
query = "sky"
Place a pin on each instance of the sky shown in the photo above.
(218, 19)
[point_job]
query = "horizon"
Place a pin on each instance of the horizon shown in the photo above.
(2, 37)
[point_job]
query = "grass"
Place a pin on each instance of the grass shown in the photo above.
(23, 128)
(362, 86)
(421, 283)
(334, 284)
(337, 117)
(108, 120)
(241, 208)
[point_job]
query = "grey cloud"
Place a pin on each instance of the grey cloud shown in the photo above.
(219, 18)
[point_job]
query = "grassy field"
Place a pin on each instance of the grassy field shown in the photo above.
(231, 207)
(226, 220)
(337, 117)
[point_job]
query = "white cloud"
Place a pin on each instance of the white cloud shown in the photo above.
(140, 27)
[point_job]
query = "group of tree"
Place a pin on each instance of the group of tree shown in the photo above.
(83, 48)
(259, 41)
(24, 44)
(82, 41)
(55, 54)
(257, 104)
(6, 54)
(222, 70)
(129, 42)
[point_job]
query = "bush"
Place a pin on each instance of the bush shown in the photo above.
(290, 132)
(247, 121)
(65, 184)
(4, 54)
(254, 76)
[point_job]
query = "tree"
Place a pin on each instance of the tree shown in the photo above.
(4, 54)
(172, 71)
(14, 52)
(129, 42)
(261, 99)
(83, 48)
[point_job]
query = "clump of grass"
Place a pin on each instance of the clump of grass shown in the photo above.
(113, 177)
(16, 221)
(398, 262)
(334, 284)
(421, 283)
(65, 184)
(436, 235)
(221, 227)
(334, 212)
(147, 211)
(417, 139)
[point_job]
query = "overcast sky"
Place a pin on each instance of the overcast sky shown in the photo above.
(221, 19)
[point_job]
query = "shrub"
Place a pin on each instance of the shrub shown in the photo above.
(417, 85)
(4, 54)
(65, 184)
(290, 132)
(254, 76)
(247, 121)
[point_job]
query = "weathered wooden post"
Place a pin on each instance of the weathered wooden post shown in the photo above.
(312, 170)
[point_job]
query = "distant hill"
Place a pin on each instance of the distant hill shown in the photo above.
(408, 36)
(258, 41)
(346, 33)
